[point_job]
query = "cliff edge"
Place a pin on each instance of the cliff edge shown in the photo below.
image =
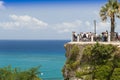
(74, 55)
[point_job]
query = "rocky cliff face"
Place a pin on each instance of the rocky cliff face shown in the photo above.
(74, 52)
(68, 71)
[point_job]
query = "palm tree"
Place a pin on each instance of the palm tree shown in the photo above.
(112, 10)
(33, 73)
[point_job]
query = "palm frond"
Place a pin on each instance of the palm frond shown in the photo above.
(104, 18)
(115, 5)
(102, 14)
(107, 5)
(104, 8)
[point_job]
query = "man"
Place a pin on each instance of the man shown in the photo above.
(74, 34)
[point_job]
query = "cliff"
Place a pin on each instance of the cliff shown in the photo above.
(74, 55)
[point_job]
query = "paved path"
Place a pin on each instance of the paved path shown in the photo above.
(113, 43)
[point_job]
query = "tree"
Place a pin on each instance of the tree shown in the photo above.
(100, 62)
(33, 73)
(7, 73)
(111, 9)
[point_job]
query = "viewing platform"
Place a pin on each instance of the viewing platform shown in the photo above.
(113, 43)
(93, 39)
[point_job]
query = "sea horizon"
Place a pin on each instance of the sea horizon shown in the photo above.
(24, 54)
(34, 39)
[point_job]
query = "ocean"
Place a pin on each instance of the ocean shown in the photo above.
(24, 54)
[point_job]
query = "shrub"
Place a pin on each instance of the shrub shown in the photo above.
(7, 73)
(116, 74)
(103, 60)
(74, 53)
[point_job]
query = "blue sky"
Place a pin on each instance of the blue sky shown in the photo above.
(53, 1)
(49, 19)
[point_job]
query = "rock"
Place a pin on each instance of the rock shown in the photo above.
(68, 72)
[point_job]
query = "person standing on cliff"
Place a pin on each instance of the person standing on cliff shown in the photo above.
(74, 35)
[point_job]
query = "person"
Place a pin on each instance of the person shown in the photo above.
(74, 36)
(105, 35)
(117, 36)
(102, 36)
(84, 37)
(89, 35)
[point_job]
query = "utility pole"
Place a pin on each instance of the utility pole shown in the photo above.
(95, 27)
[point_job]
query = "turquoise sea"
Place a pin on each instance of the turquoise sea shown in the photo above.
(49, 54)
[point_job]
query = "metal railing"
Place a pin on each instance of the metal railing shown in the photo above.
(91, 38)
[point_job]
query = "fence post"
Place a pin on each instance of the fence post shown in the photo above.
(109, 38)
(78, 38)
(91, 38)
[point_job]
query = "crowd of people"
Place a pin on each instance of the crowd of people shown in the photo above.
(96, 37)
(82, 36)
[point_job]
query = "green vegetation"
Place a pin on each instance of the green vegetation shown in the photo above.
(112, 10)
(100, 62)
(7, 73)
(72, 62)
(74, 53)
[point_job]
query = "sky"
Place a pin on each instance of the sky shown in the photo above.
(50, 19)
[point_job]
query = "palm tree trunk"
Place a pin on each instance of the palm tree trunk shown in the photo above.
(112, 27)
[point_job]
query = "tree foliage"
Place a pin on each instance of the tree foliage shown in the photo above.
(112, 10)
(72, 62)
(7, 73)
(100, 62)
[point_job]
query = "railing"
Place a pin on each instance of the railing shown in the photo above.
(92, 38)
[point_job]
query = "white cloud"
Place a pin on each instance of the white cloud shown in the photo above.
(87, 23)
(81, 26)
(68, 26)
(2, 5)
(9, 25)
(24, 21)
